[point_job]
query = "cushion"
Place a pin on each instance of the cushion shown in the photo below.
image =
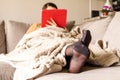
(90, 73)
(70, 25)
(14, 32)
(2, 38)
(6, 71)
(97, 28)
(112, 35)
(89, 21)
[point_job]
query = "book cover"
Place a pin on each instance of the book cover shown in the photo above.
(58, 15)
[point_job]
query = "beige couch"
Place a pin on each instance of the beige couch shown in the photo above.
(12, 31)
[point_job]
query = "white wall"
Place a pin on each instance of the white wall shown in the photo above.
(30, 10)
(97, 4)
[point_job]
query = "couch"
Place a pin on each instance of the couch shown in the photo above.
(103, 28)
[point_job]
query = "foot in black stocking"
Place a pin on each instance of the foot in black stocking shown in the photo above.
(78, 53)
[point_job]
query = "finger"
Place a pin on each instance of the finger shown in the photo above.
(47, 25)
(49, 22)
(53, 21)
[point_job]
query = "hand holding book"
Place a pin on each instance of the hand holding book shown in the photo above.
(51, 22)
(56, 17)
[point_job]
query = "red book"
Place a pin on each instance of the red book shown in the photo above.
(58, 15)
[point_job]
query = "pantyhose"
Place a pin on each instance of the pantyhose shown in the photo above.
(78, 53)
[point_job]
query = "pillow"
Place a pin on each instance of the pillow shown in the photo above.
(14, 32)
(2, 38)
(70, 25)
(97, 28)
(6, 71)
(112, 35)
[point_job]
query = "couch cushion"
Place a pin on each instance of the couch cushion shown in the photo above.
(14, 32)
(70, 25)
(112, 35)
(6, 71)
(97, 28)
(91, 73)
(2, 38)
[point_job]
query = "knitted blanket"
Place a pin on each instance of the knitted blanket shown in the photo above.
(102, 55)
(41, 52)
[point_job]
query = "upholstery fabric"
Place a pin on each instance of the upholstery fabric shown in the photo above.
(70, 25)
(90, 73)
(98, 28)
(88, 22)
(6, 71)
(2, 38)
(14, 32)
(112, 35)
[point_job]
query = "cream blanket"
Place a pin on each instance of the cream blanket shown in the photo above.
(40, 52)
(102, 55)
(43, 51)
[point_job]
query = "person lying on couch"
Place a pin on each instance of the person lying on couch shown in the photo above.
(78, 51)
(76, 54)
